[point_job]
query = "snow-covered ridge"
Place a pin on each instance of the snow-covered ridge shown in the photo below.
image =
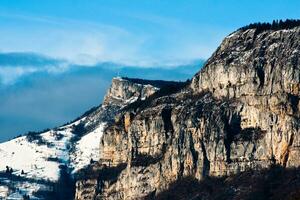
(37, 159)
(41, 161)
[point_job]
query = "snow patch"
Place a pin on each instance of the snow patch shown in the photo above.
(87, 148)
(4, 191)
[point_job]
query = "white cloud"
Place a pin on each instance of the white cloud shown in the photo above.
(10, 74)
(85, 42)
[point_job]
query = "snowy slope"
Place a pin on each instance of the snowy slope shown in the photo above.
(35, 159)
(41, 157)
(42, 161)
(20, 154)
(86, 148)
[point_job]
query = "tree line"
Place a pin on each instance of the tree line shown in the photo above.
(275, 25)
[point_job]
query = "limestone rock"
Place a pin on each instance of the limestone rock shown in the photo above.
(241, 111)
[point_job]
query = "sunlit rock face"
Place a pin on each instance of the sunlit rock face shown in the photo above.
(241, 111)
(124, 91)
(261, 72)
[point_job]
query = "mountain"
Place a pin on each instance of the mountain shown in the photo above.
(231, 132)
(41, 161)
(238, 119)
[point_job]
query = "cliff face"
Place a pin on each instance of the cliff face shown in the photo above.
(260, 71)
(241, 111)
(122, 92)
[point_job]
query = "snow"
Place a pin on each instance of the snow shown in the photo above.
(42, 161)
(118, 78)
(232, 35)
(27, 188)
(131, 100)
(87, 148)
(15, 196)
(14, 190)
(20, 154)
(32, 158)
(4, 190)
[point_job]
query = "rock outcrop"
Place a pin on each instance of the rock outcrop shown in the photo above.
(241, 111)
(123, 91)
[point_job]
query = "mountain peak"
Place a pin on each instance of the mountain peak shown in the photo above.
(258, 64)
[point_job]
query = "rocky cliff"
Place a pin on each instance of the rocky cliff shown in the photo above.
(240, 112)
(123, 92)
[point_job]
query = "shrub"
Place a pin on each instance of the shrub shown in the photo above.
(79, 130)
(145, 160)
(100, 172)
(155, 83)
(111, 173)
(37, 138)
(142, 159)
(26, 197)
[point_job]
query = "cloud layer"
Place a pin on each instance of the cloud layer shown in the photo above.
(141, 40)
(39, 97)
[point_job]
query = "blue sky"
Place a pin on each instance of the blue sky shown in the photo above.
(76, 36)
(142, 32)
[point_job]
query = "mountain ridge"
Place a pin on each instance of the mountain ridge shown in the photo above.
(239, 112)
(235, 121)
